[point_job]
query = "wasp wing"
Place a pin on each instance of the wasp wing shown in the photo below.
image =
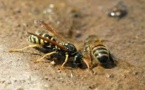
(49, 28)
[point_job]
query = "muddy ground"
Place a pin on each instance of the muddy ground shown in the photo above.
(124, 38)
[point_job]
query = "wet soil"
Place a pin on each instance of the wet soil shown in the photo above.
(124, 38)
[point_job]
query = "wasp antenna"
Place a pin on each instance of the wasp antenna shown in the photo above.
(50, 41)
(49, 28)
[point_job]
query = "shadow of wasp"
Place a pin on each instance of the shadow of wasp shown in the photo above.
(53, 43)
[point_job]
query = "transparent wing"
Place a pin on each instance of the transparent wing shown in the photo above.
(50, 29)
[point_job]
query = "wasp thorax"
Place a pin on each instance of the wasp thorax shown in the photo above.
(71, 49)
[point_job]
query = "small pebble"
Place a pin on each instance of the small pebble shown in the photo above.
(46, 86)
(9, 83)
(59, 71)
(2, 81)
(20, 89)
(52, 63)
(109, 76)
(71, 75)
(136, 72)
(46, 78)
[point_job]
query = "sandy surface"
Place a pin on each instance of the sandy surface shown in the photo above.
(125, 39)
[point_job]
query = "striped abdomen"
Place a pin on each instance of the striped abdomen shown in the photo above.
(101, 53)
(37, 40)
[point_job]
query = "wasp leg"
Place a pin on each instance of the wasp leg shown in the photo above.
(41, 59)
(88, 66)
(66, 59)
(30, 46)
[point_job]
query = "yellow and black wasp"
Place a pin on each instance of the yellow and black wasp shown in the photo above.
(95, 52)
(53, 43)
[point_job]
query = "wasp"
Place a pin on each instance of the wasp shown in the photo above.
(96, 52)
(118, 10)
(53, 43)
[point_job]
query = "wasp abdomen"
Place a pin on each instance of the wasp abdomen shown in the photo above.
(101, 53)
(37, 40)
